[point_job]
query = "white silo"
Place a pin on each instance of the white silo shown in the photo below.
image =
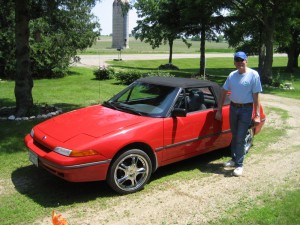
(120, 25)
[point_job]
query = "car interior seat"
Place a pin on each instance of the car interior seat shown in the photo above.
(195, 101)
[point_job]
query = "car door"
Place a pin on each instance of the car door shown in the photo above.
(194, 134)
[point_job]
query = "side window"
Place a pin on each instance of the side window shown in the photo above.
(199, 99)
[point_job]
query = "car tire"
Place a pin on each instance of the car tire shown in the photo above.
(130, 171)
(249, 140)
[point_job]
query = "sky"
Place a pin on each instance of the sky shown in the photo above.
(103, 10)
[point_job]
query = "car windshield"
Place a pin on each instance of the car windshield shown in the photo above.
(144, 99)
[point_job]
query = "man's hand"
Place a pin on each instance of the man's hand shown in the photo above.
(256, 121)
(219, 115)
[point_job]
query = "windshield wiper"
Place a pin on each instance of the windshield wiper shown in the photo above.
(110, 105)
(131, 110)
(118, 106)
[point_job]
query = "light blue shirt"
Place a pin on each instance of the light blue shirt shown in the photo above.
(243, 86)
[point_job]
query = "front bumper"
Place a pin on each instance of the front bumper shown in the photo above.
(68, 168)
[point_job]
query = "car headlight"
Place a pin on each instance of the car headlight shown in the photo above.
(32, 133)
(63, 151)
(75, 153)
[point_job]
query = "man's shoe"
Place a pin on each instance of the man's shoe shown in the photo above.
(238, 171)
(230, 163)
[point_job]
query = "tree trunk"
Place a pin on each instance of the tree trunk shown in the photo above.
(293, 53)
(291, 60)
(296, 63)
(23, 79)
(262, 51)
(266, 72)
(269, 16)
(170, 50)
(261, 58)
(202, 51)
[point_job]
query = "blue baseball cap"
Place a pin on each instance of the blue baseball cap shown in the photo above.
(241, 55)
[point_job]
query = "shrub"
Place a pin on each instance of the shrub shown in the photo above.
(158, 74)
(127, 77)
(276, 81)
(168, 66)
(104, 73)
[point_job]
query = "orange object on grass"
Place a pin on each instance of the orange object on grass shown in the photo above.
(57, 219)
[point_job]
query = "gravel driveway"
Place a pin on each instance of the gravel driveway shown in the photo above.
(99, 60)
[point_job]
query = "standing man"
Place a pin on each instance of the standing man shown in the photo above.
(244, 86)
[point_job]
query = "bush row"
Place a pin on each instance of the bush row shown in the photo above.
(126, 77)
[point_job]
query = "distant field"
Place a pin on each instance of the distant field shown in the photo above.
(103, 46)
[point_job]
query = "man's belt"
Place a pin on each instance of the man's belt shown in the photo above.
(241, 105)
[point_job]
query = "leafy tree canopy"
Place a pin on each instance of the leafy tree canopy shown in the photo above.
(58, 29)
(159, 23)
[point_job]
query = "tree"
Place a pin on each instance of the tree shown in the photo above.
(263, 15)
(288, 35)
(58, 34)
(159, 23)
(7, 37)
(201, 17)
(47, 33)
(245, 36)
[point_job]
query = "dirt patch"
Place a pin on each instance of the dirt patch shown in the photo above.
(2, 189)
(203, 200)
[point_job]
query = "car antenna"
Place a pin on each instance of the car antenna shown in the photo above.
(99, 68)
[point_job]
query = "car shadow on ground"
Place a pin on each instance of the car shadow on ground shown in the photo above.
(205, 163)
(50, 191)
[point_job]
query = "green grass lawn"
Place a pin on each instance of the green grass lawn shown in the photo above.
(103, 46)
(23, 199)
(79, 89)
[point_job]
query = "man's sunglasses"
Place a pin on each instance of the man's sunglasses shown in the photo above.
(239, 60)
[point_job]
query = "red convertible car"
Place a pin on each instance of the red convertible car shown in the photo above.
(155, 121)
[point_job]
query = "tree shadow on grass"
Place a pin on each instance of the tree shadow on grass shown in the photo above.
(5, 102)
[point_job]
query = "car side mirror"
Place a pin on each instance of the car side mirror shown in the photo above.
(177, 112)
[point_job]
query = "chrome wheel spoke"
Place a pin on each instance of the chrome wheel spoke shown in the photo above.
(248, 141)
(123, 167)
(247, 138)
(141, 170)
(134, 160)
(122, 179)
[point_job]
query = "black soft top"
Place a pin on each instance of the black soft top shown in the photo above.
(178, 82)
(185, 83)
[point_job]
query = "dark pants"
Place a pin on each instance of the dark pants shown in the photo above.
(240, 120)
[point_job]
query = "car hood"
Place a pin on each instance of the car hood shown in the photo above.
(94, 121)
